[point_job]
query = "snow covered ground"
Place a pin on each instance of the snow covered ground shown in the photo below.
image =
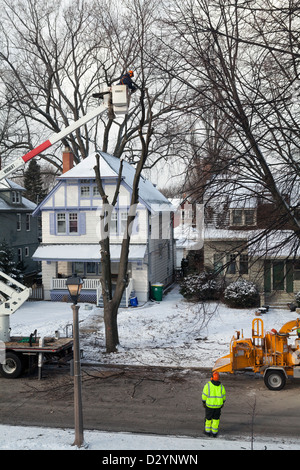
(170, 333)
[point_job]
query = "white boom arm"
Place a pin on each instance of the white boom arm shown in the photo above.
(12, 295)
(117, 95)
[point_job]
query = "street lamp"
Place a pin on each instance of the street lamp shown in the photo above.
(74, 285)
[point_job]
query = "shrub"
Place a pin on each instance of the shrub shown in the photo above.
(201, 286)
(241, 294)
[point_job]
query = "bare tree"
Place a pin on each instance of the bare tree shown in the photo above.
(241, 59)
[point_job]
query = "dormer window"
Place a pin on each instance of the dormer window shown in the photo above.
(15, 197)
(243, 217)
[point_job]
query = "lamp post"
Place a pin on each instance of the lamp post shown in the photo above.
(74, 285)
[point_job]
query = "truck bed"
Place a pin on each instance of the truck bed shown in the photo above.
(51, 344)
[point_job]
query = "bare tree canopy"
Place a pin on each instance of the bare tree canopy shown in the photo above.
(239, 62)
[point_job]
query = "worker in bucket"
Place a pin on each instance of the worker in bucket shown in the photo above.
(126, 79)
(213, 399)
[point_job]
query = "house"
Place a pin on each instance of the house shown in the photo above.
(188, 234)
(18, 228)
(70, 231)
(236, 243)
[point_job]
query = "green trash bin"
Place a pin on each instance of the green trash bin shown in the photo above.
(157, 291)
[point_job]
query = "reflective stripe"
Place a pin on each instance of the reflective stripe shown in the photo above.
(214, 395)
(207, 425)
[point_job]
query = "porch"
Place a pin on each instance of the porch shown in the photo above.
(281, 282)
(91, 291)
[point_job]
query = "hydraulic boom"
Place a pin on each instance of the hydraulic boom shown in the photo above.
(116, 100)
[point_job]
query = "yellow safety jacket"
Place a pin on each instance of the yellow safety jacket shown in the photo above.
(214, 395)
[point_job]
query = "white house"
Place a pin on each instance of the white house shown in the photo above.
(70, 231)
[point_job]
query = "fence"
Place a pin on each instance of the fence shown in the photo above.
(37, 293)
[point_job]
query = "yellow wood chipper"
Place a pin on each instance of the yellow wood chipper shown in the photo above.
(267, 353)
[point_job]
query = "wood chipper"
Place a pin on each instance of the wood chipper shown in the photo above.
(267, 353)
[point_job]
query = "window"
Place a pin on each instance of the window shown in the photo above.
(61, 223)
(84, 191)
(91, 268)
(86, 269)
(249, 217)
(28, 222)
(244, 264)
(237, 217)
(218, 262)
(95, 191)
(79, 268)
(114, 223)
(15, 197)
(20, 255)
(19, 222)
(26, 251)
(124, 216)
(73, 222)
(231, 267)
(243, 217)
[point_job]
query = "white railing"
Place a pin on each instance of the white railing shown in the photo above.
(88, 284)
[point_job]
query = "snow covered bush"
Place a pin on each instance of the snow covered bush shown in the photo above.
(241, 294)
(203, 286)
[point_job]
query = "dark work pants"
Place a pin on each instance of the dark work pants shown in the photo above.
(212, 420)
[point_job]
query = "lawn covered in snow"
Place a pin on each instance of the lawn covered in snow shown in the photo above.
(173, 332)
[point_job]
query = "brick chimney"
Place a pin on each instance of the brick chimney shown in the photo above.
(68, 159)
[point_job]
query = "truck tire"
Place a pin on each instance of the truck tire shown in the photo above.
(13, 366)
(274, 379)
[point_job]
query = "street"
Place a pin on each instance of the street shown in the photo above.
(149, 400)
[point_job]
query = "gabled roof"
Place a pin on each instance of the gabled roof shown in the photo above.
(109, 168)
(6, 205)
(7, 184)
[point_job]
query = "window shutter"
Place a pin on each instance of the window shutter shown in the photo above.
(52, 223)
(82, 223)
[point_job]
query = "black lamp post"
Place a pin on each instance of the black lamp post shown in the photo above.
(74, 285)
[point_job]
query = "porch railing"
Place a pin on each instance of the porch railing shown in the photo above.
(60, 283)
(91, 284)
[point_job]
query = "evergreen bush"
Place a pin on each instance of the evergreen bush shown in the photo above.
(241, 294)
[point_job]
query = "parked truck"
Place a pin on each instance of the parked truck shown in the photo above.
(270, 354)
(18, 352)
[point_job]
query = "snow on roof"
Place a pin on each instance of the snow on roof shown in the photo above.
(109, 168)
(9, 184)
(5, 205)
(85, 252)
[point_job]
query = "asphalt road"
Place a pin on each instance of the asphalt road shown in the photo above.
(149, 400)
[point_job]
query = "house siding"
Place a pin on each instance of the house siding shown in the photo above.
(80, 195)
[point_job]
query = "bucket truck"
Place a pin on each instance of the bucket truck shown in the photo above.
(12, 293)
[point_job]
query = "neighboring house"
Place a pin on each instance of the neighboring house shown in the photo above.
(18, 228)
(70, 231)
(235, 244)
(188, 225)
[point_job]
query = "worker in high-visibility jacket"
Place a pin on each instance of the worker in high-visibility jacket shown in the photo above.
(213, 399)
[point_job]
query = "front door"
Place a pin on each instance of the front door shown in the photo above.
(278, 276)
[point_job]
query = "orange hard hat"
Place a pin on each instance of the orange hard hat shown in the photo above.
(131, 73)
(215, 376)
